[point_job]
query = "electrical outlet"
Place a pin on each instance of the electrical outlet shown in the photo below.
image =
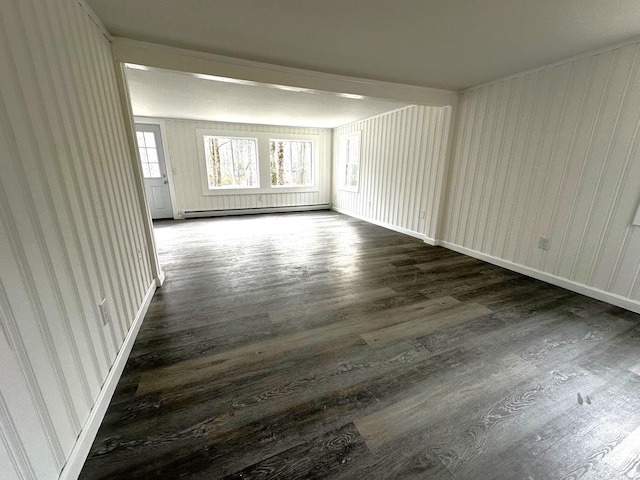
(104, 310)
(544, 243)
(260, 198)
(423, 214)
(139, 254)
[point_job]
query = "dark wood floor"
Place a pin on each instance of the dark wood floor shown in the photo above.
(318, 346)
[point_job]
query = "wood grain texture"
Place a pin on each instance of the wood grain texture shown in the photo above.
(335, 335)
(424, 325)
(625, 455)
(252, 363)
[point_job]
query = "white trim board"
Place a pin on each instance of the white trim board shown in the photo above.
(80, 451)
(577, 287)
(411, 233)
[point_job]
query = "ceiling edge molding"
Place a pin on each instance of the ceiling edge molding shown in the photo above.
(192, 61)
(95, 19)
(372, 117)
(564, 61)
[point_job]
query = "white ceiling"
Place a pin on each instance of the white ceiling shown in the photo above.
(168, 94)
(450, 44)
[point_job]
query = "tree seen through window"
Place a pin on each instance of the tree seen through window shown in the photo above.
(291, 162)
(231, 162)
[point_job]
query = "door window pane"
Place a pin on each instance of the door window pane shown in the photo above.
(148, 155)
(149, 139)
(154, 170)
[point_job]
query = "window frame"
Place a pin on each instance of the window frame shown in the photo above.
(343, 161)
(257, 163)
(264, 161)
(313, 169)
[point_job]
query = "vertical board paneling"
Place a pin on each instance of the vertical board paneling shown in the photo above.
(436, 192)
(70, 229)
(552, 153)
(8, 469)
(182, 141)
(401, 170)
(24, 442)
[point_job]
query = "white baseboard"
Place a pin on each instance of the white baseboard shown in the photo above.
(431, 241)
(389, 226)
(78, 456)
(252, 211)
(577, 287)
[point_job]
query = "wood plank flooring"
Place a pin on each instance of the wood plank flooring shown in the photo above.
(314, 345)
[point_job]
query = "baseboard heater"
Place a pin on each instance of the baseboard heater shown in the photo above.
(253, 211)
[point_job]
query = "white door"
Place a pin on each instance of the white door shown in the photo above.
(154, 170)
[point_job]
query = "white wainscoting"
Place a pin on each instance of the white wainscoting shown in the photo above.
(71, 229)
(80, 451)
(182, 142)
(402, 163)
(553, 153)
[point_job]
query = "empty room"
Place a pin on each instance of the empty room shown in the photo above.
(337, 239)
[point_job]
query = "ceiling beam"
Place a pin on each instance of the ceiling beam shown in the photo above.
(190, 61)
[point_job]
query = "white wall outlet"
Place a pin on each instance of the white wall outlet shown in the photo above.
(423, 214)
(139, 254)
(544, 243)
(260, 198)
(104, 311)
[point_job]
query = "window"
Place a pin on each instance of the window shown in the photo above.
(291, 162)
(148, 155)
(257, 161)
(350, 161)
(231, 162)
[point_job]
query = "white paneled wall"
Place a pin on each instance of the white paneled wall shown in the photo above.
(183, 141)
(553, 153)
(402, 159)
(70, 230)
